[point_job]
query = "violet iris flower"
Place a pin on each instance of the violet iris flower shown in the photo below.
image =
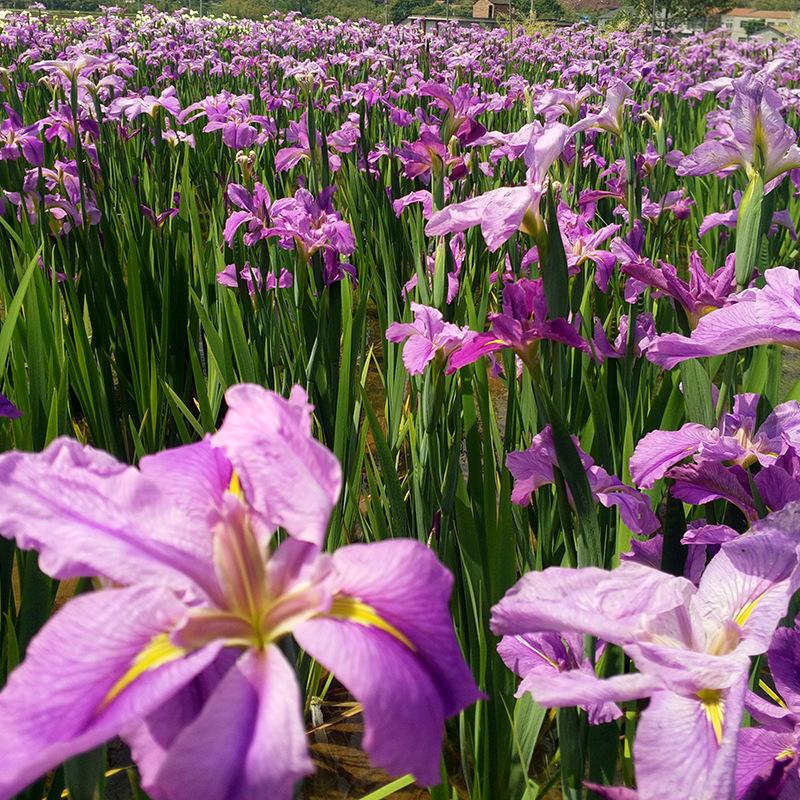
(342, 141)
(533, 468)
(699, 295)
(754, 136)
(426, 338)
(582, 244)
(134, 106)
(521, 326)
(462, 106)
(555, 103)
(254, 212)
(8, 409)
(254, 278)
(532, 655)
(311, 224)
(644, 330)
(736, 440)
(768, 763)
(768, 315)
(502, 211)
(730, 218)
(721, 456)
(427, 155)
(239, 128)
(18, 140)
(179, 655)
(609, 117)
(159, 220)
(691, 645)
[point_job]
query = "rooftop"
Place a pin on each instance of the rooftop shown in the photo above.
(758, 13)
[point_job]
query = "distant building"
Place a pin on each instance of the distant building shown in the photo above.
(491, 9)
(770, 34)
(741, 22)
(433, 22)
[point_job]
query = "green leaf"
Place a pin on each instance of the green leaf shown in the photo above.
(697, 393)
(84, 774)
(748, 230)
(555, 276)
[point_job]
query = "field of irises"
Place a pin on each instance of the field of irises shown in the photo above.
(438, 386)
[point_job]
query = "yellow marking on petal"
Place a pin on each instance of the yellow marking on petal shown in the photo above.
(354, 610)
(537, 651)
(158, 652)
(235, 486)
(747, 609)
(784, 754)
(714, 706)
(770, 692)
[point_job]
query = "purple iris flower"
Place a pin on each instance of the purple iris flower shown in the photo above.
(134, 106)
(730, 218)
(427, 155)
(8, 409)
(768, 315)
(768, 763)
(736, 440)
(254, 278)
(609, 117)
(159, 220)
(582, 244)
(532, 655)
(61, 124)
(462, 107)
(644, 330)
(721, 456)
(699, 295)
(426, 338)
(556, 103)
(521, 325)
(342, 141)
(533, 468)
(691, 646)
(18, 140)
(311, 224)
(179, 655)
(502, 211)
(254, 212)
(239, 128)
(753, 136)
